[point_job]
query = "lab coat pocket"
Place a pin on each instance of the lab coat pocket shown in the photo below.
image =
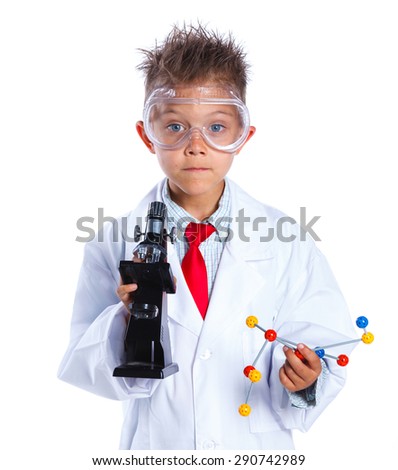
(262, 418)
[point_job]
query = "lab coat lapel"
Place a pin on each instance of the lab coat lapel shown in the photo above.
(235, 285)
(237, 280)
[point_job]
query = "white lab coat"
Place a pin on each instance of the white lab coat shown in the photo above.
(287, 285)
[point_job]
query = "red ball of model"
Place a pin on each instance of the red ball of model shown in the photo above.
(247, 370)
(342, 360)
(298, 354)
(270, 335)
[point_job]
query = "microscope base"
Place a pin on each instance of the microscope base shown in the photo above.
(145, 371)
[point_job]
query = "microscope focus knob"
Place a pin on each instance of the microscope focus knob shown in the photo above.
(137, 233)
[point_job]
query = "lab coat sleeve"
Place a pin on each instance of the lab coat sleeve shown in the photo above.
(312, 312)
(98, 327)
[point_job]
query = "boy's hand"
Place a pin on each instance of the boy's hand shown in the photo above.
(124, 293)
(298, 374)
(124, 290)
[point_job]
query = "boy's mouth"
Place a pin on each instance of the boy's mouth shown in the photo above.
(196, 169)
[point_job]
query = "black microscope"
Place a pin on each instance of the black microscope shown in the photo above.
(147, 340)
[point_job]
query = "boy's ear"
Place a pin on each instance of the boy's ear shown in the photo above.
(252, 131)
(141, 132)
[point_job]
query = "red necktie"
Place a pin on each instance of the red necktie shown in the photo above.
(193, 265)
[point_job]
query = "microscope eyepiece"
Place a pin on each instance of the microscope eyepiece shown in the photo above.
(157, 209)
(153, 248)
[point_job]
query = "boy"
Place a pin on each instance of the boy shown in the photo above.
(195, 121)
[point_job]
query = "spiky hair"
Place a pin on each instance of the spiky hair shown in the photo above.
(194, 55)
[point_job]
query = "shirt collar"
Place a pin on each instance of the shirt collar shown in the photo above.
(180, 218)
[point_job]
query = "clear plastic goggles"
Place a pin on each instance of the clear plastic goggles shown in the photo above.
(172, 116)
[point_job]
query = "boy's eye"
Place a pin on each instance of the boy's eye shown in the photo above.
(175, 127)
(216, 128)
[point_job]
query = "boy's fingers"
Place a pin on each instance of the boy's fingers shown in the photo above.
(125, 290)
(303, 371)
(285, 380)
(310, 357)
(294, 361)
(291, 373)
(289, 379)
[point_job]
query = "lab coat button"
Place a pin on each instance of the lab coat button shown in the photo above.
(209, 445)
(206, 354)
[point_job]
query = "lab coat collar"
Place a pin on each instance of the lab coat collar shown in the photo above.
(245, 236)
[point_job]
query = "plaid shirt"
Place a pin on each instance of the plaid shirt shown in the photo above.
(213, 246)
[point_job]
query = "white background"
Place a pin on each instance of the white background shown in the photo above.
(323, 96)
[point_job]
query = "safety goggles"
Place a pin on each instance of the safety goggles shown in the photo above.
(173, 116)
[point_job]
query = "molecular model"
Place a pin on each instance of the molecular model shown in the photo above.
(254, 375)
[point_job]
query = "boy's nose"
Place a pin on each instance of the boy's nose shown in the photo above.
(196, 143)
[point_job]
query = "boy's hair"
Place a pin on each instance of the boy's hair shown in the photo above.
(192, 55)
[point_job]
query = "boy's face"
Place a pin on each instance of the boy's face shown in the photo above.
(189, 135)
